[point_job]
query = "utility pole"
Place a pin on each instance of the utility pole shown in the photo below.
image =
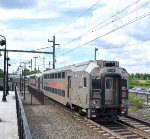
(44, 62)
(7, 65)
(96, 49)
(35, 62)
(54, 44)
(49, 64)
(31, 64)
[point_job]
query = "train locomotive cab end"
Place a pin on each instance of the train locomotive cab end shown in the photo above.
(109, 91)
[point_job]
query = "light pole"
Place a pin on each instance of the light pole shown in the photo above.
(3, 42)
(23, 75)
(35, 62)
(7, 86)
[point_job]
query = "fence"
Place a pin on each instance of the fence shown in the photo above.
(146, 96)
(36, 93)
(23, 127)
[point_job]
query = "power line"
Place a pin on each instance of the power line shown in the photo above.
(135, 44)
(130, 22)
(43, 48)
(77, 17)
(112, 17)
(91, 30)
(134, 10)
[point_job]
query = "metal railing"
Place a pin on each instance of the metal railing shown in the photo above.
(146, 96)
(36, 93)
(23, 127)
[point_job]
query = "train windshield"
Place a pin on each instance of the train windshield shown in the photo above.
(96, 84)
(109, 83)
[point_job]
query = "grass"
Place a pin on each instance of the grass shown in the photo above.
(147, 116)
(132, 109)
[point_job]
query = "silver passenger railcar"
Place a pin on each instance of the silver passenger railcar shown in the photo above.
(97, 88)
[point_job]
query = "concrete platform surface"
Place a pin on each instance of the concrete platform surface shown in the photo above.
(8, 117)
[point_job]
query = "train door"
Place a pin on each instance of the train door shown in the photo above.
(111, 90)
(69, 87)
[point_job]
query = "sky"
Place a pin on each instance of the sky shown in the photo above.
(119, 29)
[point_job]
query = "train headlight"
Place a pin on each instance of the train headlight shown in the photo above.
(95, 102)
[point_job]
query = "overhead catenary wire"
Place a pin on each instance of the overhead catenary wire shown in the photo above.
(77, 18)
(126, 14)
(112, 21)
(130, 22)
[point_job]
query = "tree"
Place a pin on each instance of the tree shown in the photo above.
(1, 73)
(26, 72)
(46, 69)
(35, 71)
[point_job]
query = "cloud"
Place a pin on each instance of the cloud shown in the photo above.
(29, 26)
(17, 4)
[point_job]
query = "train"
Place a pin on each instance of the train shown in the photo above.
(99, 89)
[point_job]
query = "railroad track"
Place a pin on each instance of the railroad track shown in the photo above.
(121, 129)
(139, 126)
(106, 133)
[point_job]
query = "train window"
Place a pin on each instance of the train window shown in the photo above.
(52, 90)
(59, 92)
(55, 75)
(50, 76)
(55, 90)
(84, 82)
(63, 93)
(59, 75)
(96, 83)
(109, 84)
(63, 75)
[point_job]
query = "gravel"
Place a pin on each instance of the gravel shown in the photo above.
(50, 122)
(142, 114)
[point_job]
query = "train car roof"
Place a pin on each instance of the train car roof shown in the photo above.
(83, 66)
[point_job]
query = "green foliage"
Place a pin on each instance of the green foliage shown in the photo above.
(46, 69)
(34, 72)
(137, 80)
(139, 76)
(135, 102)
(147, 116)
(1, 73)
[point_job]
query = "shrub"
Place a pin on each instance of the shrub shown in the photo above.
(135, 102)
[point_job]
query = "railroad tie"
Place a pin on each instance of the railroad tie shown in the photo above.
(102, 131)
(111, 137)
(95, 128)
(91, 126)
(106, 134)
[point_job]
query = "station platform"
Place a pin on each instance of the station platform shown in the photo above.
(8, 117)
